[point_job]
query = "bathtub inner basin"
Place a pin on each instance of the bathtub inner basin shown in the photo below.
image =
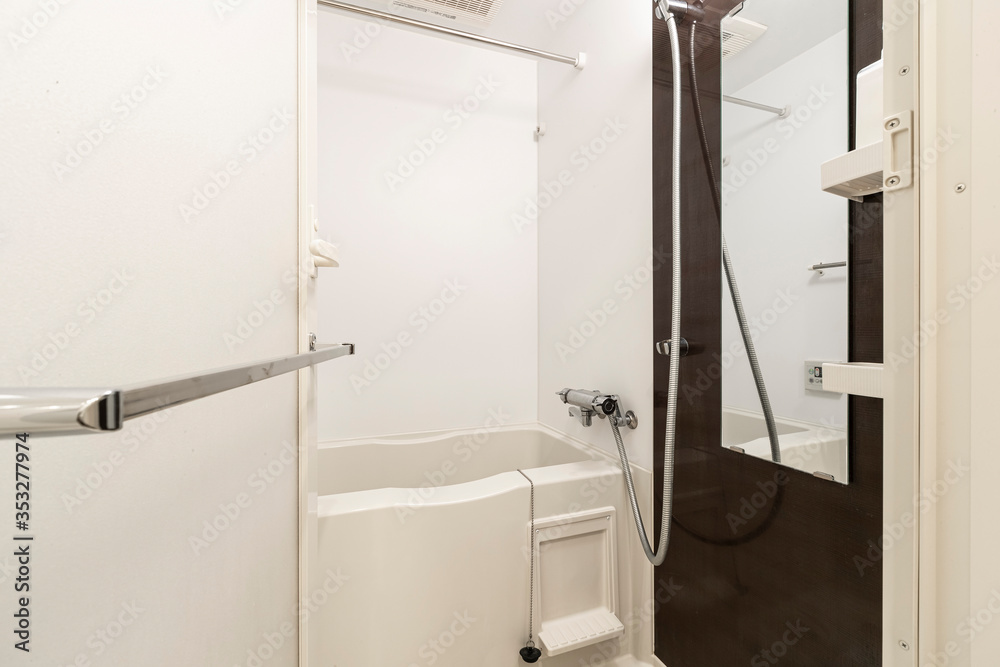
(437, 460)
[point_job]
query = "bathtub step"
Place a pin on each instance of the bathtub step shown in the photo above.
(573, 632)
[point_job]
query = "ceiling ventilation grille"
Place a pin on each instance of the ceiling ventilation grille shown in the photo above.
(738, 34)
(478, 13)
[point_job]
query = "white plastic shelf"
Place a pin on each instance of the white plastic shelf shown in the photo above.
(573, 632)
(855, 174)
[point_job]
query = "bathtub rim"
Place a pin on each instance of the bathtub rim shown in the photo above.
(600, 462)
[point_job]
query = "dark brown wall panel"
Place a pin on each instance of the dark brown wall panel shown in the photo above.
(794, 563)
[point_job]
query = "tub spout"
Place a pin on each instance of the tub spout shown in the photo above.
(585, 416)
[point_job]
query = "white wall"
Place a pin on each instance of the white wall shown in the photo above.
(599, 230)
(606, 204)
(777, 222)
(437, 288)
(960, 246)
(126, 544)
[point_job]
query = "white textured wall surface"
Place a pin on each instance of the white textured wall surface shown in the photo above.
(424, 147)
(796, 315)
(595, 224)
(147, 229)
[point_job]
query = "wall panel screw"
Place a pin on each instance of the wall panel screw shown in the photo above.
(892, 181)
(960, 188)
(904, 71)
(904, 645)
(892, 124)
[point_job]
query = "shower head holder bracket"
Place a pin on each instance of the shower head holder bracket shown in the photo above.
(681, 9)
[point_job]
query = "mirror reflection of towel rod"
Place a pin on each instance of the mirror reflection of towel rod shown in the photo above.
(51, 411)
(820, 268)
(781, 113)
(578, 61)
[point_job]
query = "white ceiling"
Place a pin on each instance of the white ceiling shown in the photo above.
(793, 27)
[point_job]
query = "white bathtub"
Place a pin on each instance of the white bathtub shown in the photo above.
(432, 535)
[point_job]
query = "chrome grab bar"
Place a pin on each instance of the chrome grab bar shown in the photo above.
(75, 411)
(577, 61)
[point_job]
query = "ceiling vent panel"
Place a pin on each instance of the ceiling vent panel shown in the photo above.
(475, 13)
(738, 34)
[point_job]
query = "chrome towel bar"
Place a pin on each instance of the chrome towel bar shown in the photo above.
(50, 411)
(780, 113)
(577, 61)
(822, 267)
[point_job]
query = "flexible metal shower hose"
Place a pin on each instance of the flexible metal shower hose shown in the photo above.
(657, 557)
(669, 445)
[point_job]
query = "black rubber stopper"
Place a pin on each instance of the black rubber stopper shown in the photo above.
(530, 654)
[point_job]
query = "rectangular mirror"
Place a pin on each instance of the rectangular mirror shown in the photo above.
(785, 111)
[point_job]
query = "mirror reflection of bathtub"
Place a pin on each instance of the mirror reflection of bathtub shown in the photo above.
(811, 448)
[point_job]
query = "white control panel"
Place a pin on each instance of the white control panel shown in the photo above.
(814, 375)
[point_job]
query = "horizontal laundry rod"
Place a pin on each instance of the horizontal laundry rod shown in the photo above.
(823, 266)
(577, 61)
(46, 411)
(781, 112)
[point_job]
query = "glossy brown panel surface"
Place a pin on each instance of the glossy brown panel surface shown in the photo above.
(762, 554)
